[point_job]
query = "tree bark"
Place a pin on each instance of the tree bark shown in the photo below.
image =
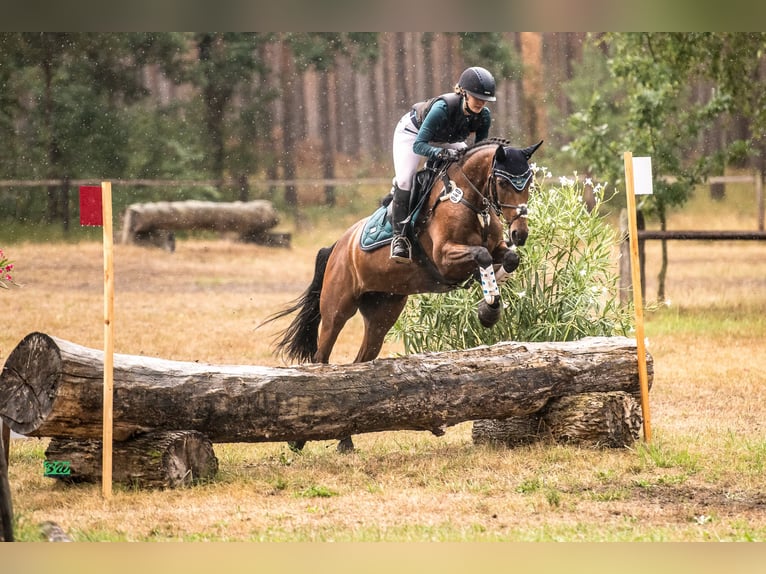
(52, 387)
(153, 460)
(604, 419)
(292, 102)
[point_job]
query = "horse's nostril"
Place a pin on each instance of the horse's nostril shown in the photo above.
(518, 237)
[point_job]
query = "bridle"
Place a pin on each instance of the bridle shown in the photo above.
(488, 200)
(490, 196)
(519, 183)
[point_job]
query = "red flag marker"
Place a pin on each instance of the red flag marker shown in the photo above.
(91, 210)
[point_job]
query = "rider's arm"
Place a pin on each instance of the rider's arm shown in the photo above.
(482, 132)
(432, 128)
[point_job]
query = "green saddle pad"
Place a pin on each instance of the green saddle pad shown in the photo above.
(377, 232)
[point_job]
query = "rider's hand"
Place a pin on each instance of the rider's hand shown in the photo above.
(448, 154)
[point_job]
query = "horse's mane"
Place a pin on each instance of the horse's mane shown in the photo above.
(484, 143)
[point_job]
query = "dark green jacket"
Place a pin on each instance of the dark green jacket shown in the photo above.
(445, 122)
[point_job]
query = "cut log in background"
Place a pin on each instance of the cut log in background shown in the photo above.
(155, 223)
(52, 387)
(155, 460)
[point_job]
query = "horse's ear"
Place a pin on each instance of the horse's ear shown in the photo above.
(528, 151)
(500, 154)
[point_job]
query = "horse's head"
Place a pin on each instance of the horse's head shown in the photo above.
(512, 177)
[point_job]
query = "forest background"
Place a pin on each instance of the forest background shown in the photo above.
(236, 112)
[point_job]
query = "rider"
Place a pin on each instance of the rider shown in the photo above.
(436, 129)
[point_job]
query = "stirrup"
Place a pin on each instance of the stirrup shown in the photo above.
(401, 250)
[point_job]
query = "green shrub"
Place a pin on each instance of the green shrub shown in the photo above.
(565, 288)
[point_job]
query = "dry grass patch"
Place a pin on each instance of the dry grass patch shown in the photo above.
(700, 479)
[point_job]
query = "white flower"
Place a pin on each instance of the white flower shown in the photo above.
(588, 182)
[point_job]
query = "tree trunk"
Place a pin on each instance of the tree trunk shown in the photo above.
(534, 98)
(153, 460)
(51, 387)
(291, 101)
(327, 126)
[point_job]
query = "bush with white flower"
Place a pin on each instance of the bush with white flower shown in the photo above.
(6, 279)
(566, 287)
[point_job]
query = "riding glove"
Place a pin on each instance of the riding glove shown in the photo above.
(448, 154)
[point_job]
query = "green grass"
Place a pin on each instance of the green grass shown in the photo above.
(746, 320)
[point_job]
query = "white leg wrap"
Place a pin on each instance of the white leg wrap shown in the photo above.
(501, 275)
(489, 284)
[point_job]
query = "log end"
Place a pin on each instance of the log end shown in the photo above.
(189, 459)
(29, 382)
(609, 419)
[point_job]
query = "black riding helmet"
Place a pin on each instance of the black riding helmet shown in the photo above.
(478, 82)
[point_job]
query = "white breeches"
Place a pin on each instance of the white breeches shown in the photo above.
(406, 161)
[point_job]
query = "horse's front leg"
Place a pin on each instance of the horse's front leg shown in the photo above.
(490, 307)
(491, 280)
(454, 255)
(509, 263)
(487, 277)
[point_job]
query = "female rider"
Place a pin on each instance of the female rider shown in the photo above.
(436, 129)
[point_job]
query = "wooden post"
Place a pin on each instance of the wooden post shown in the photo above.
(635, 272)
(106, 197)
(6, 507)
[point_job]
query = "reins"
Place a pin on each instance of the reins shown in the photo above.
(456, 195)
(489, 199)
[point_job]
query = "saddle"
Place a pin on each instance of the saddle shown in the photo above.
(378, 230)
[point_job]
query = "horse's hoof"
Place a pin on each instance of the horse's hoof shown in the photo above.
(296, 445)
(345, 445)
(511, 262)
(489, 315)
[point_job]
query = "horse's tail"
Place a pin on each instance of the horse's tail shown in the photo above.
(298, 342)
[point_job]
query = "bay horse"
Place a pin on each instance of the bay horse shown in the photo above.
(457, 234)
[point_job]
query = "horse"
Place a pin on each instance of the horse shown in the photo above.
(457, 235)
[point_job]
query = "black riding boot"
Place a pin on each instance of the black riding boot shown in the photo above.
(400, 207)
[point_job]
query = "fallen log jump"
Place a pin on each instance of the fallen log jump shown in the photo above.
(50, 387)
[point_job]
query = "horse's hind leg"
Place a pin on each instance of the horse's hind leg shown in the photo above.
(336, 310)
(334, 318)
(380, 311)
